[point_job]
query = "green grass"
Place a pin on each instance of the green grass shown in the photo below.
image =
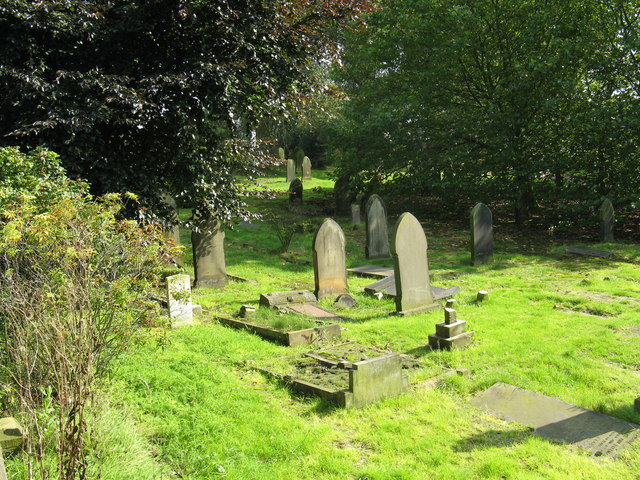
(561, 325)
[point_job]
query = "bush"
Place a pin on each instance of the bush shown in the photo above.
(73, 283)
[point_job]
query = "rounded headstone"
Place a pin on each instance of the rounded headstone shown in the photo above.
(329, 260)
(377, 228)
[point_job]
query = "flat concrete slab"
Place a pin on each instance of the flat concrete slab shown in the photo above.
(371, 271)
(559, 421)
(589, 252)
(387, 286)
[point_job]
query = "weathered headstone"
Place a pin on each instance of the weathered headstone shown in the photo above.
(306, 168)
(291, 170)
(481, 234)
(410, 265)
(281, 153)
(295, 192)
(607, 220)
(11, 434)
(355, 215)
(377, 228)
(343, 195)
(208, 253)
(276, 299)
(556, 420)
(179, 300)
(298, 156)
(450, 333)
(329, 260)
(375, 379)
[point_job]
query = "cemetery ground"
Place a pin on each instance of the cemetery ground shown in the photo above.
(558, 324)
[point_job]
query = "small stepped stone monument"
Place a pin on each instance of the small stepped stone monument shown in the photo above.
(329, 261)
(450, 333)
(607, 220)
(481, 235)
(377, 228)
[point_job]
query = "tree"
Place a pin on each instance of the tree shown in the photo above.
(154, 96)
(487, 96)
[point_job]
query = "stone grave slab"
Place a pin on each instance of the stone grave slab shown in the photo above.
(11, 434)
(558, 421)
(313, 311)
(387, 286)
(589, 252)
(276, 299)
(371, 271)
(179, 300)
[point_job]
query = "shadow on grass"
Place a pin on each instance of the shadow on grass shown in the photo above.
(492, 439)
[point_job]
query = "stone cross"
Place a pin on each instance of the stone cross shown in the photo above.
(208, 253)
(377, 229)
(410, 266)
(329, 260)
(306, 168)
(179, 300)
(291, 170)
(607, 220)
(295, 192)
(481, 234)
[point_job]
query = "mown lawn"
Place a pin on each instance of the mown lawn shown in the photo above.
(561, 325)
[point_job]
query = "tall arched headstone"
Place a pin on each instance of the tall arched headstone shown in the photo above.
(377, 228)
(481, 234)
(607, 220)
(410, 266)
(291, 170)
(329, 260)
(306, 168)
(208, 253)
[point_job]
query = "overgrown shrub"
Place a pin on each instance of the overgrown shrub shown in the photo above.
(74, 279)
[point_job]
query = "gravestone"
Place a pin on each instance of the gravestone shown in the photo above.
(377, 228)
(376, 379)
(607, 220)
(291, 170)
(410, 266)
(558, 421)
(355, 215)
(172, 230)
(329, 260)
(481, 234)
(11, 434)
(295, 192)
(179, 300)
(208, 253)
(306, 168)
(343, 196)
(281, 153)
(450, 333)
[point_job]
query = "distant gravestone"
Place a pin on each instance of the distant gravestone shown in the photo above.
(208, 253)
(295, 192)
(410, 265)
(329, 260)
(343, 195)
(306, 168)
(291, 170)
(11, 434)
(377, 229)
(355, 215)
(298, 156)
(179, 300)
(607, 220)
(481, 234)
(281, 153)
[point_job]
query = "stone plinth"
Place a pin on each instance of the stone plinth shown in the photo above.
(275, 299)
(450, 333)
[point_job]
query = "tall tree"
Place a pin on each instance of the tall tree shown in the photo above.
(153, 96)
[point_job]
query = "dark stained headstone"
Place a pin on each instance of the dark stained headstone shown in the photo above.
(556, 420)
(377, 228)
(481, 234)
(291, 170)
(295, 192)
(329, 260)
(607, 220)
(343, 195)
(208, 253)
(410, 265)
(306, 168)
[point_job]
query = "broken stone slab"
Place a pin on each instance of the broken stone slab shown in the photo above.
(387, 286)
(558, 421)
(371, 271)
(589, 252)
(11, 434)
(291, 338)
(276, 299)
(345, 301)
